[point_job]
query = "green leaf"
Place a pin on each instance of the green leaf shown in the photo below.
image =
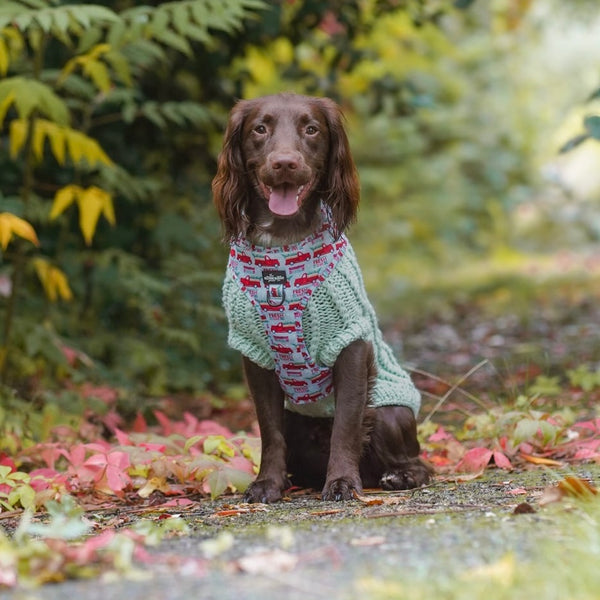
(29, 95)
(152, 112)
(171, 39)
(240, 480)
(218, 482)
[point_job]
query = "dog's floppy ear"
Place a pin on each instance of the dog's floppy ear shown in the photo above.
(230, 186)
(342, 191)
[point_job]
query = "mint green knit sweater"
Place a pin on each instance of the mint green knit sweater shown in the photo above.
(337, 314)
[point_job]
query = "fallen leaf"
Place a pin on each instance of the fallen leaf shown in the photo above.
(375, 540)
(540, 460)
(570, 486)
(265, 563)
(575, 486)
(502, 461)
(474, 460)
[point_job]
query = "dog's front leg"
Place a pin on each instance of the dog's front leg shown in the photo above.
(268, 400)
(352, 375)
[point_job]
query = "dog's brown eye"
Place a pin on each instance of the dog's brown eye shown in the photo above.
(260, 129)
(311, 130)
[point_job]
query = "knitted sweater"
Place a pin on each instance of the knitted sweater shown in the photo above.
(295, 308)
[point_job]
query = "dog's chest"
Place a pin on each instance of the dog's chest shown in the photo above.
(279, 281)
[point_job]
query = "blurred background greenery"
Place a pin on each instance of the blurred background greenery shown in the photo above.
(457, 113)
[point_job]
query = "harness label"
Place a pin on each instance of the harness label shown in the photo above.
(275, 282)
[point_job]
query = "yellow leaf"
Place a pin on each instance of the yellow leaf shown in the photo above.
(83, 147)
(11, 224)
(56, 135)
(260, 65)
(61, 284)
(93, 202)
(18, 133)
(39, 135)
(5, 104)
(53, 280)
(63, 199)
(91, 66)
(98, 73)
(4, 57)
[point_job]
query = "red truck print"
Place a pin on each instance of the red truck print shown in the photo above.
(281, 328)
(267, 261)
(305, 279)
(249, 283)
(299, 257)
(244, 258)
(294, 383)
(282, 349)
(323, 250)
(292, 366)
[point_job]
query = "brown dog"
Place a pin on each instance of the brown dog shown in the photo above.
(334, 407)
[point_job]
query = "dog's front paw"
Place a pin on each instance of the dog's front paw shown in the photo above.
(263, 491)
(343, 488)
(412, 474)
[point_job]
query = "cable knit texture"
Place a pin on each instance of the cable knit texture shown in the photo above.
(337, 313)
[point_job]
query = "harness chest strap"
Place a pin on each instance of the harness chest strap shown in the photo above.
(279, 282)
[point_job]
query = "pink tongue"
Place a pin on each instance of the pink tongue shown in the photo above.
(282, 200)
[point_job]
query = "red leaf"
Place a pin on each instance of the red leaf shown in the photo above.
(139, 425)
(123, 438)
(474, 460)
(209, 427)
(164, 422)
(593, 425)
(440, 435)
(502, 461)
(7, 461)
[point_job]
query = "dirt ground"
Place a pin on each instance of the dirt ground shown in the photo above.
(305, 548)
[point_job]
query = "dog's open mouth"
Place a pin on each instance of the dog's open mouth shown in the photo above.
(285, 199)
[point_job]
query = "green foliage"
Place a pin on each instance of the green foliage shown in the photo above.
(98, 112)
(585, 378)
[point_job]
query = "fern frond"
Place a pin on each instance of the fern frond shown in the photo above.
(174, 23)
(118, 181)
(29, 95)
(61, 21)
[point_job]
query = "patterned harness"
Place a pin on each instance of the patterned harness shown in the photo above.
(279, 282)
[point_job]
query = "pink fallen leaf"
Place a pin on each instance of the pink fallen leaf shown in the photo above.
(502, 460)
(592, 425)
(474, 460)
(440, 435)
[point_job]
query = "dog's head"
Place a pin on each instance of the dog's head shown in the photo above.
(281, 155)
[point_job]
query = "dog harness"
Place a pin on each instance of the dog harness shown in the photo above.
(279, 282)
(294, 308)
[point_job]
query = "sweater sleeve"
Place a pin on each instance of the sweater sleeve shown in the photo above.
(246, 331)
(337, 314)
(340, 313)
